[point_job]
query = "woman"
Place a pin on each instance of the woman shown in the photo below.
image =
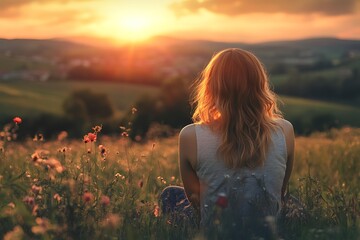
(236, 159)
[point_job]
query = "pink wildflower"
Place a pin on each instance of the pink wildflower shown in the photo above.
(29, 201)
(36, 189)
(105, 200)
(88, 197)
(86, 139)
(17, 120)
(92, 137)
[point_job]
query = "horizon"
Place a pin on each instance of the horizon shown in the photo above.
(101, 42)
(212, 20)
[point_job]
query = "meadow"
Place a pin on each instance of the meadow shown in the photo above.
(103, 187)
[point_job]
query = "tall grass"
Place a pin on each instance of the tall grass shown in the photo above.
(109, 188)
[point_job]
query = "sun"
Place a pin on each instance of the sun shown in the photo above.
(135, 27)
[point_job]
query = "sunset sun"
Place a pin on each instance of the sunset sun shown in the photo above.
(135, 27)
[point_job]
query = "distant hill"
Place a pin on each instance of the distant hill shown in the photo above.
(55, 46)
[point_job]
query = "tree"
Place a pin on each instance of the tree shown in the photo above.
(85, 105)
(171, 107)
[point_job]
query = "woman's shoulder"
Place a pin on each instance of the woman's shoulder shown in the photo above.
(188, 145)
(188, 130)
(188, 134)
(285, 125)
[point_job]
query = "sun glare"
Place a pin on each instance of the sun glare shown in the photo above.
(135, 27)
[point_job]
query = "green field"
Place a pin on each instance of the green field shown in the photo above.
(28, 99)
(32, 98)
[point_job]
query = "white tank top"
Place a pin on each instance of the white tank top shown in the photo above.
(250, 192)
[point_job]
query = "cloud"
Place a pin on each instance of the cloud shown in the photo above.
(238, 7)
(16, 8)
(48, 11)
(5, 4)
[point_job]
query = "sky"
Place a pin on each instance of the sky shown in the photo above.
(247, 21)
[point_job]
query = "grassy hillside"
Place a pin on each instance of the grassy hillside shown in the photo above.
(28, 99)
(295, 108)
(32, 98)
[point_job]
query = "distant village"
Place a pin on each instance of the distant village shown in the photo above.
(148, 65)
(55, 68)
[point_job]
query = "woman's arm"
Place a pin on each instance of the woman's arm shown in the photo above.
(290, 145)
(187, 163)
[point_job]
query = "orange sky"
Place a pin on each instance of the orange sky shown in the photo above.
(220, 20)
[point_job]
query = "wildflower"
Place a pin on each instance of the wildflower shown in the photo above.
(162, 180)
(36, 189)
(62, 135)
(57, 197)
(86, 139)
(88, 197)
(102, 151)
(222, 200)
(92, 137)
(17, 120)
(29, 201)
(97, 129)
(11, 205)
(39, 156)
(133, 110)
(63, 149)
(156, 210)
(105, 200)
(124, 134)
(118, 175)
(38, 137)
(54, 164)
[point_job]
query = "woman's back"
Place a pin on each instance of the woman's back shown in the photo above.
(235, 172)
(248, 192)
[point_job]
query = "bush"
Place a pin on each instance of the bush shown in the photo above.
(85, 105)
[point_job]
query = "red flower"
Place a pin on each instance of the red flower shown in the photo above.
(86, 139)
(105, 200)
(17, 120)
(29, 201)
(92, 137)
(222, 200)
(88, 197)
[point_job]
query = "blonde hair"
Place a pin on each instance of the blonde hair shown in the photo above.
(233, 97)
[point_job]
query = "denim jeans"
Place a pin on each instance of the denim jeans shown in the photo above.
(176, 206)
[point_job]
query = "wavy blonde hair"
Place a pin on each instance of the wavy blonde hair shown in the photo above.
(233, 97)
